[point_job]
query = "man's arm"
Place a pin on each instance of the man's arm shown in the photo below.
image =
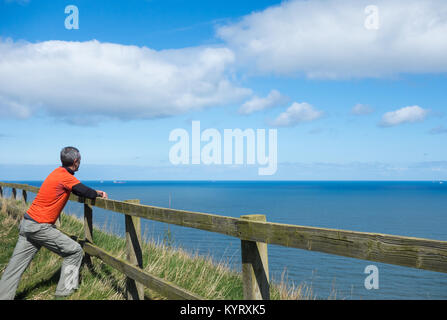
(82, 190)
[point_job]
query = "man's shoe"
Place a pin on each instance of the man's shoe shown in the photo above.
(65, 297)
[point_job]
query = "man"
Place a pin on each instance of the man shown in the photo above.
(37, 228)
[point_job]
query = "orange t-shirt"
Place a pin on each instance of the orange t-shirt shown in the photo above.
(52, 196)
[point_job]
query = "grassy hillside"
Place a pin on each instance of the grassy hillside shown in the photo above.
(195, 273)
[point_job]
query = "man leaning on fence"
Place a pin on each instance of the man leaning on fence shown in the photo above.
(37, 228)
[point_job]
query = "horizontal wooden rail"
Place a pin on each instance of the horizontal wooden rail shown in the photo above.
(398, 250)
(166, 288)
(26, 187)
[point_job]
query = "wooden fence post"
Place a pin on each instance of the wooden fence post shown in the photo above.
(88, 223)
(135, 290)
(3, 201)
(255, 270)
(88, 230)
(24, 196)
(14, 193)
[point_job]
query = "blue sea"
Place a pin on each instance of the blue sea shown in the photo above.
(415, 208)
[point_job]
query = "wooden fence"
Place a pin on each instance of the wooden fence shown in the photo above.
(255, 233)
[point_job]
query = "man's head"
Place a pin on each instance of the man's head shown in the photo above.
(70, 157)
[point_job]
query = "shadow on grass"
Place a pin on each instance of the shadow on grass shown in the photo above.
(44, 283)
(105, 273)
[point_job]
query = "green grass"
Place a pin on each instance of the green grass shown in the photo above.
(198, 274)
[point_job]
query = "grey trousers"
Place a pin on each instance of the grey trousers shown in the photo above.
(32, 236)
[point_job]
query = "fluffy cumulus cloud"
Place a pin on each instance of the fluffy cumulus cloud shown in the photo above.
(83, 82)
(342, 39)
(273, 99)
(86, 82)
(408, 114)
(297, 113)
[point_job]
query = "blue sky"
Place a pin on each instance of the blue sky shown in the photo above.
(347, 101)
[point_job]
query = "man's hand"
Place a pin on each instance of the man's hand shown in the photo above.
(102, 194)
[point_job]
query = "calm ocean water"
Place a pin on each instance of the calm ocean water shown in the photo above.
(417, 209)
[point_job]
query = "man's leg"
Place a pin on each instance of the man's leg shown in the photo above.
(54, 240)
(21, 258)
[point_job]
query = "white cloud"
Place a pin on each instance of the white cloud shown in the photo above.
(297, 113)
(408, 114)
(328, 38)
(361, 109)
(83, 82)
(273, 99)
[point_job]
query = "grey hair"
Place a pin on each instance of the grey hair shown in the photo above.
(69, 155)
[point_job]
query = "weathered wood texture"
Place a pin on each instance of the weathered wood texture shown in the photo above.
(88, 223)
(135, 290)
(255, 269)
(168, 289)
(404, 251)
(20, 186)
(88, 230)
